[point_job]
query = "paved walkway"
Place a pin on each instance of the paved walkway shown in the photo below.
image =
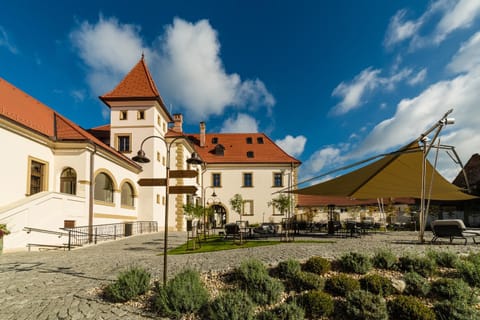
(61, 284)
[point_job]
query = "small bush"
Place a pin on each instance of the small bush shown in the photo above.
(451, 289)
(341, 284)
(416, 285)
(443, 258)
(376, 284)
(363, 305)
(317, 265)
(355, 262)
(317, 304)
(232, 305)
(384, 259)
(421, 265)
(469, 271)
(455, 310)
(409, 308)
(286, 311)
(129, 284)
(307, 281)
(184, 294)
(288, 269)
(254, 279)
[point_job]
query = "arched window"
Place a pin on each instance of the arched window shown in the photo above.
(127, 195)
(103, 188)
(68, 181)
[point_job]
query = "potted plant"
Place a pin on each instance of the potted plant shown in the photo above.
(3, 232)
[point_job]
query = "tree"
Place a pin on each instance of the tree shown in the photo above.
(237, 204)
(193, 210)
(281, 203)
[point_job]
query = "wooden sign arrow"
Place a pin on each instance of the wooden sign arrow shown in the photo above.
(153, 182)
(182, 189)
(183, 173)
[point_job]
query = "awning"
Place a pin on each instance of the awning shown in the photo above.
(396, 175)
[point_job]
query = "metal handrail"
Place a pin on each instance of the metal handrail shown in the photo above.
(57, 233)
(78, 236)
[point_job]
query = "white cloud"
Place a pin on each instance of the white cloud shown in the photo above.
(78, 95)
(292, 145)
(459, 15)
(109, 49)
(193, 76)
(400, 29)
(241, 124)
(414, 116)
(328, 156)
(5, 42)
(353, 93)
(468, 56)
(418, 78)
(185, 62)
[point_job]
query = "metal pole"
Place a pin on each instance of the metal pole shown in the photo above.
(165, 238)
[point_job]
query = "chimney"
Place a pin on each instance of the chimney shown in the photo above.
(177, 122)
(202, 134)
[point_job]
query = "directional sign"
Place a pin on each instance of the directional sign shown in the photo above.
(182, 189)
(183, 173)
(153, 182)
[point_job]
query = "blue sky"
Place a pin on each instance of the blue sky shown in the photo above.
(331, 82)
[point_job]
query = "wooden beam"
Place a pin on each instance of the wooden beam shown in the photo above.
(183, 173)
(182, 189)
(153, 182)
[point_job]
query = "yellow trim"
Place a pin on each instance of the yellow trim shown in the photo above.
(113, 216)
(141, 115)
(108, 173)
(83, 182)
(104, 203)
(135, 193)
(123, 112)
(243, 179)
(248, 202)
(273, 179)
(127, 207)
(212, 180)
(44, 177)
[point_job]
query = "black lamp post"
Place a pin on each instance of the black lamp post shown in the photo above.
(141, 158)
(214, 195)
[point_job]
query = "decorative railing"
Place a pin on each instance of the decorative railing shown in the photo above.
(79, 236)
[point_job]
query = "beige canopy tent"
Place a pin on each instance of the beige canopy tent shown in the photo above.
(395, 175)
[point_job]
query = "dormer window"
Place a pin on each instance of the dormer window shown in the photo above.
(249, 140)
(214, 140)
(219, 150)
(123, 115)
(250, 154)
(260, 140)
(141, 115)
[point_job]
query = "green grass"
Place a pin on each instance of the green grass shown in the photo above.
(217, 243)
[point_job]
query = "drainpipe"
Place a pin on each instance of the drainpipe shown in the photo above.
(90, 193)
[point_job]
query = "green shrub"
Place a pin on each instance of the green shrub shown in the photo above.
(129, 284)
(253, 277)
(307, 281)
(376, 284)
(416, 285)
(341, 284)
(231, 305)
(469, 271)
(285, 311)
(355, 262)
(443, 258)
(451, 289)
(421, 265)
(384, 259)
(409, 308)
(317, 304)
(318, 265)
(288, 269)
(363, 305)
(455, 310)
(184, 294)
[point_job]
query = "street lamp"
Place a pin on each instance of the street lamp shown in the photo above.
(141, 158)
(214, 195)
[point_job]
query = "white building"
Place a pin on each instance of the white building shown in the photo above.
(56, 174)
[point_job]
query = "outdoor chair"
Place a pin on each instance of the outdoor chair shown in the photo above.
(452, 229)
(232, 230)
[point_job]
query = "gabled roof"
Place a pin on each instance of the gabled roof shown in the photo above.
(236, 149)
(20, 108)
(138, 83)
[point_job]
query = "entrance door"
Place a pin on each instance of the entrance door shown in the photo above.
(220, 216)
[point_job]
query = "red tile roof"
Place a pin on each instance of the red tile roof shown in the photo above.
(320, 201)
(25, 110)
(236, 147)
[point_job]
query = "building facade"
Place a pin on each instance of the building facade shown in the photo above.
(57, 173)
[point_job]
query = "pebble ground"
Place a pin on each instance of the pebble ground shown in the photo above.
(62, 284)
